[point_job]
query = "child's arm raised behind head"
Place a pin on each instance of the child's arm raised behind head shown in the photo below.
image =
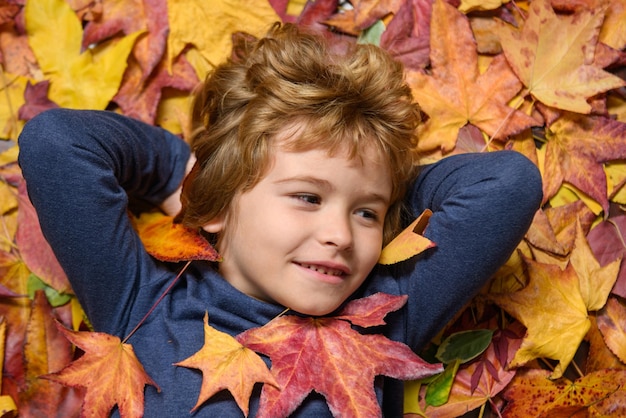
(80, 168)
(482, 207)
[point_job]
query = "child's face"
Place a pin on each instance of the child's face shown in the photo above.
(308, 234)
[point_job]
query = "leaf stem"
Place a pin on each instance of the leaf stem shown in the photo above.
(157, 302)
(520, 101)
(481, 414)
(580, 373)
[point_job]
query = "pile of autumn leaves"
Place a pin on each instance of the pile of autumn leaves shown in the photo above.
(540, 78)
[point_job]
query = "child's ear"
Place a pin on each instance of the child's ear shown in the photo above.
(215, 225)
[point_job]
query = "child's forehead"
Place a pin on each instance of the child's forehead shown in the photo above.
(297, 138)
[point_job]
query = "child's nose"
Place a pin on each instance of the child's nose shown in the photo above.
(336, 231)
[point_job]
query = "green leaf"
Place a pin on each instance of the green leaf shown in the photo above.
(372, 34)
(464, 346)
(438, 391)
(54, 297)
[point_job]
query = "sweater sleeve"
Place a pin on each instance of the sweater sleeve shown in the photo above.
(81, 168)
(482, 206)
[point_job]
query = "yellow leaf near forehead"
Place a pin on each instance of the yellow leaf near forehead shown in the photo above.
(86, 80)
(408, 243)
(209, 25)
(294, 7)
(12, 88)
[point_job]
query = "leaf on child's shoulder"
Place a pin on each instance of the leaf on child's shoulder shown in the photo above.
(169, 241)
(409, 242)
(371, 311)
(110, 372)
(328, 356)
(226, 364)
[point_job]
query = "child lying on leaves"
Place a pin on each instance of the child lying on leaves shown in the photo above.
(305, 164)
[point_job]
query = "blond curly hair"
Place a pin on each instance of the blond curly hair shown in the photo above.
(339, 100)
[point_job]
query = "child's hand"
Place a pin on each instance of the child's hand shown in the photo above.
(172, 205)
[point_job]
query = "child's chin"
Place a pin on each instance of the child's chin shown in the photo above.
(319, 309)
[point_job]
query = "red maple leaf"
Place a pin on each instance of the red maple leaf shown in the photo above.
(346, 359)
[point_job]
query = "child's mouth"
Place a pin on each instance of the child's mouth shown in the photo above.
(323, 270)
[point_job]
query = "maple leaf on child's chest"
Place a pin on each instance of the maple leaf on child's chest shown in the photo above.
(226, 364)
(328, 356)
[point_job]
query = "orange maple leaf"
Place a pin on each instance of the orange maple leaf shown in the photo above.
(456, 94)
(167, 240)
(598, 394)
(554, 56)
(226, 364)
(577, 147)
(349, 361)
(109, 371)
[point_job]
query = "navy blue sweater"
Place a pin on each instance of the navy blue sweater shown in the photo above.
(82, 169)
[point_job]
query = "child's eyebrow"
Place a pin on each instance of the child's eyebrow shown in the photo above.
(324, 184)
(327, 186)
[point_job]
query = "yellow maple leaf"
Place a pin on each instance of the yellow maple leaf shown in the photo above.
(86, 80)
(226, 364)
(208, 26)
(553, 311)
(553, 56)
(408, 243)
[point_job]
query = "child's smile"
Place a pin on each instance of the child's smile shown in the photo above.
(308, 234)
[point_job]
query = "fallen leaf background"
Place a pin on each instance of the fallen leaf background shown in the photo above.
(544, 78)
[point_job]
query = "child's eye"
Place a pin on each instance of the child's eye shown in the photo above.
(367, 214)
(308, 198)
